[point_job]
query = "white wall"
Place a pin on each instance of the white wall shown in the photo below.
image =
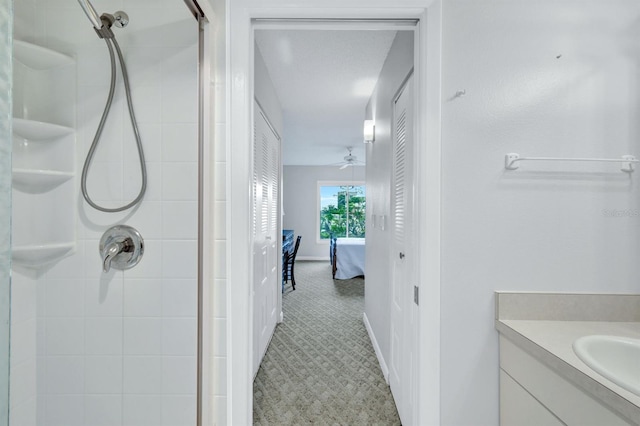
(542, 78)
(396, 68)
(120, 348)
(265, 92)
(300, 198)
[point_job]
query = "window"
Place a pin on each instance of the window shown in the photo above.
(342, 210)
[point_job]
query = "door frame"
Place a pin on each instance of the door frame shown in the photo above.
(239, 84)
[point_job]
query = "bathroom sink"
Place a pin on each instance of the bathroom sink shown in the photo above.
(616, 358)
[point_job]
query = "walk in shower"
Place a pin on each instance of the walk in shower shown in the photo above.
(90, 347)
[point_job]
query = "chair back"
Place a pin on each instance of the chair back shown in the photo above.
(295, 250)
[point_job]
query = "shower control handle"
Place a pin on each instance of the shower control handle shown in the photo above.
(121, 247)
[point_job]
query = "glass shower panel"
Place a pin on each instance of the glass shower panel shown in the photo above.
(5, 202)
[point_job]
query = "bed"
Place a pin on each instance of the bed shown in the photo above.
(347, 257)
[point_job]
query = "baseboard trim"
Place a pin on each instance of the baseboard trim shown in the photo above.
(313, 258)
(376, 347)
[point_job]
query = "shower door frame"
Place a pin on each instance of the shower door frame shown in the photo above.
(205, 219)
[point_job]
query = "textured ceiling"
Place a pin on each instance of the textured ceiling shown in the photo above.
(324, 79)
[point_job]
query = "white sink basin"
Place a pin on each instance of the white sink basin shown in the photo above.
(616, 358)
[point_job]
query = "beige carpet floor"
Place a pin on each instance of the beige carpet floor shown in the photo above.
(320, 367)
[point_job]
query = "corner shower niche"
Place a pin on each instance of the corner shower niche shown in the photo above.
(44, 159)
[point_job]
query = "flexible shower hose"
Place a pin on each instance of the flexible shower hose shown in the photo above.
(96, 139)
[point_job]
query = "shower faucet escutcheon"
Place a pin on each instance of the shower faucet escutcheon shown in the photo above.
(121, 247)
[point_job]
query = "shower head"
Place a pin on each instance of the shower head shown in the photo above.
(91, 13)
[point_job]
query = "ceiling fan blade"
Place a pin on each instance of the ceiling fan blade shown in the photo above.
(344, 166)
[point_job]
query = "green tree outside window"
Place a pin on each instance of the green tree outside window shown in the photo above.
(342, 211)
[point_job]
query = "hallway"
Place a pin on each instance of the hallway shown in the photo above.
(320, 366)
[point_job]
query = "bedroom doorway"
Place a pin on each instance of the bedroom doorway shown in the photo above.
(243, 16)
(317, 85)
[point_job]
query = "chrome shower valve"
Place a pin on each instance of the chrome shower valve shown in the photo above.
(121, 247)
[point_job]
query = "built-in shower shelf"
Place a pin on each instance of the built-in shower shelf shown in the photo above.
(40, 255)
(38, 57)
(39, 130)
(28, 180)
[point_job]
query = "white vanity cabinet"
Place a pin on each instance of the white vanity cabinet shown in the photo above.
(531, 393)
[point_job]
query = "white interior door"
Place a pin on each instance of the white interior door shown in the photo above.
(403, 365)
(266, 253)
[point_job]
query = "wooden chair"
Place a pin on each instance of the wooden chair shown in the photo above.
(289, 263)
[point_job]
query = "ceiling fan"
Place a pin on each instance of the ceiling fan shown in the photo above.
(350, 160)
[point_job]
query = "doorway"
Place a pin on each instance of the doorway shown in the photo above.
(241, 68)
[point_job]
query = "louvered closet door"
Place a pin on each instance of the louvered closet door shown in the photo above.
(266, 180)
(403, 370)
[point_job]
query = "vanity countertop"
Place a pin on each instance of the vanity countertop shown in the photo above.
(551, 340)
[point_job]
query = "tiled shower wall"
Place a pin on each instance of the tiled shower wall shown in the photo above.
(120, 348)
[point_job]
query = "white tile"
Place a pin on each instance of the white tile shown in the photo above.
(41, 409)
(91, 66)
(41, 375)
(179, 181)
(220, 410)
(219, 337)
(180, 66)
(69, 267)
(220, 220)
(178, 410)
(22, 382)
(150, 135)
(65, 336)
(103, 336)
(220, 259)
(179, 336)
(219, 142)
(147, 219)
(65, 374)
(180, 28)
(142, 410)
(23, 341)
(180, 103)
(180, 220)
(103, 410)
(179, 298)
(179, 375)
(148, 103)
(180, 142)
(23, 298)
(142, 375)
(64, 298)
(41, 336)
(103, 374)
(150, 265)
(144, 63)
(154, 182)
(142, 336)
(143, 298)
(132, 182)
(24, 414)
(220, 182)
(179, 259)
(65, 410)
(220, 376)
(220, 298)
(105, 182)
(103, 297)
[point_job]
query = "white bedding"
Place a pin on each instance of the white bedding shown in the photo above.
(350, 257)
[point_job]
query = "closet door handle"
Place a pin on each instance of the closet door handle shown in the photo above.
(401, 255)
